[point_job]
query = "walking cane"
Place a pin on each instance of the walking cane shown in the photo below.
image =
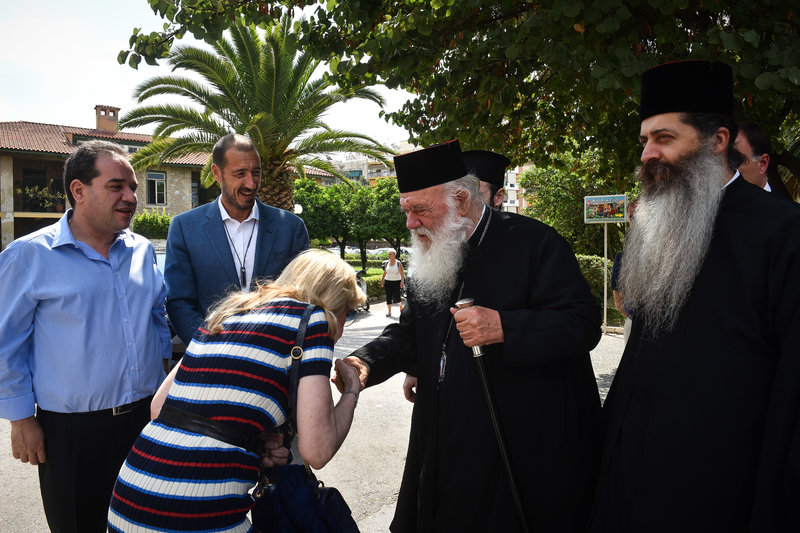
(477, 354)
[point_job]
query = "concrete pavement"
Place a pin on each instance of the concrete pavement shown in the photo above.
(367, 469)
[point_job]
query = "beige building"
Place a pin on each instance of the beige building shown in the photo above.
(32, 157)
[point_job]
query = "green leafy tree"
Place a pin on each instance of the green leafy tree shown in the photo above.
(387, 215)
(258, 86)
(521, 76)
(555, 196)
(364, 225)
(788, 156)
(317, 214)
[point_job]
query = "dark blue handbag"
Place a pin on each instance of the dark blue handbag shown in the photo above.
(292, 500)
(289, 498)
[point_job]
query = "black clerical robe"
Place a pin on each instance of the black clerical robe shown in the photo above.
(702, 422)
(543, 384)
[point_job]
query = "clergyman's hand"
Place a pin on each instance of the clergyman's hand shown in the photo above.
(478, 326)
(410, 388)
(363, 372)
(27, 441)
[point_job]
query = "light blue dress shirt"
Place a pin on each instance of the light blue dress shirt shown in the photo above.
(79, 332)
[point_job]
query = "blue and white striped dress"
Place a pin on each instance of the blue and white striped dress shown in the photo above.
(175, 480)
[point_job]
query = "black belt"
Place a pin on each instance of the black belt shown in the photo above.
(128, 407)
(115, 411)
(195, 423)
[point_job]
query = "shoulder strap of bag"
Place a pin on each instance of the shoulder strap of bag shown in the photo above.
(294, 370)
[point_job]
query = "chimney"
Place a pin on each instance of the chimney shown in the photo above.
(107, 117)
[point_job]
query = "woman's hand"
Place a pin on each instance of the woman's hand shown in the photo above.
(361, 367)
(350, 376)
(274, 453)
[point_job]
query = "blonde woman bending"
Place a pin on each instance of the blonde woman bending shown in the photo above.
(233, 383)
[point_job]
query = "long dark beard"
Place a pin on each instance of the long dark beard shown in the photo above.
(667, 244)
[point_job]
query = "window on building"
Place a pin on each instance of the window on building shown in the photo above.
(132, 149)
(34, 178)
(195, 192)
(156, 188)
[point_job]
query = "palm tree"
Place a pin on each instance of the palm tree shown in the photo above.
(790, 158)
(257, 86)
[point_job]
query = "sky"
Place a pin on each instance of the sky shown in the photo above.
(59, 60)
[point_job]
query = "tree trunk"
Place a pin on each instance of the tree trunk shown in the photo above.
(790, 187)
(276, 189)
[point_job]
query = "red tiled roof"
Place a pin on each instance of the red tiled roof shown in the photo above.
(189, 159)
(34, 137)
(314, 171)
(53, 138)
(106, 134)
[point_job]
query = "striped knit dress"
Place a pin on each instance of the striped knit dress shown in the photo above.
(175, 480)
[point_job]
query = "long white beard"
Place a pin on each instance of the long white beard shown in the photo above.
(434, 270)
(668, 241)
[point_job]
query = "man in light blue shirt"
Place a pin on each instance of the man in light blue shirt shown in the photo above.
(83, 339)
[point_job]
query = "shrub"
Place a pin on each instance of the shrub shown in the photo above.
(373, 279)
(151, 224)
(592, 268)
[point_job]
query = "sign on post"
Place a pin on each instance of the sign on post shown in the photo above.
(606, 208)
(602, 210)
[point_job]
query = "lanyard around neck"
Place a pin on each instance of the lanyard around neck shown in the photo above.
(242, 269)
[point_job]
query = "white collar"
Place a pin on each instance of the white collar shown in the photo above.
(736, 175)
(225, 216)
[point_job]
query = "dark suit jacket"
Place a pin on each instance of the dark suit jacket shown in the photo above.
(200, 269)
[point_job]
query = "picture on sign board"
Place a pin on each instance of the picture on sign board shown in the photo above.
(606, 208)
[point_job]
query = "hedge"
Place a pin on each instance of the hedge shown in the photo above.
(592, 268)
(373, 279)
(151, 224)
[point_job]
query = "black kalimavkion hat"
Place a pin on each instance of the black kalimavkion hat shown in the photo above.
(430, 166)
(687, 87)
(487, 166)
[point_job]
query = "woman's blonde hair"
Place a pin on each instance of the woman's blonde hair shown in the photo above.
(315, 276)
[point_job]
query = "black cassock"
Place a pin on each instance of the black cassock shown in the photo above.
(543, 383)
(702, 422)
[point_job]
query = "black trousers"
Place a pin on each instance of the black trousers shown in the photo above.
(392, 290)
(84, 454)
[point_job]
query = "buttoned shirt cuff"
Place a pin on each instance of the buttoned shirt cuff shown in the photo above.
(18, 408)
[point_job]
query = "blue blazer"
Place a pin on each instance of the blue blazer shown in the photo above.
(199, 268)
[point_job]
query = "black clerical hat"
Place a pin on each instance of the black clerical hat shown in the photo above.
(687, 87)
(487, 166)
(430, 166)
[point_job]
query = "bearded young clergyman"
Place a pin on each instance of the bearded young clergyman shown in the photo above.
(536, 319)
(703, 416)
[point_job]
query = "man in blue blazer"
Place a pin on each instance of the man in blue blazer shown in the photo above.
(229, 243)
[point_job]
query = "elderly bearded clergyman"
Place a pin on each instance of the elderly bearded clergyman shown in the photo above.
(536, 319)
(704, 413)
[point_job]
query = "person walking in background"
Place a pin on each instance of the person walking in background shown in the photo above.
(392, 281)
(84, 340)
(234, 378)
(227, 244)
